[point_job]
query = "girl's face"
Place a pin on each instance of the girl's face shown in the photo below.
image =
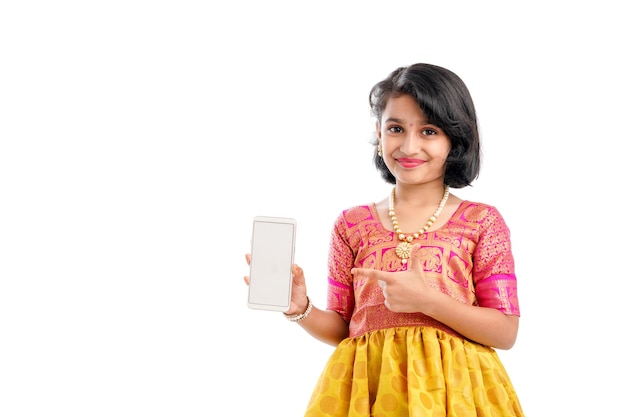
(414, 150)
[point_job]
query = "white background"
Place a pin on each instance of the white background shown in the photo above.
(140, 138)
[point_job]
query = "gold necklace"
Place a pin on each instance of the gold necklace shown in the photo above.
(403, 250)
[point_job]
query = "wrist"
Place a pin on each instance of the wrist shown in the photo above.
(297, 306)
(303, 315)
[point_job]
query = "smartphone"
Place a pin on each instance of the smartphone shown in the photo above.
(272, 255)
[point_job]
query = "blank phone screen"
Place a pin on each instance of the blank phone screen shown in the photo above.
(270, 267)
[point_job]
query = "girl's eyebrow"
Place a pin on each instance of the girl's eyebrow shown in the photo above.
(396, 120)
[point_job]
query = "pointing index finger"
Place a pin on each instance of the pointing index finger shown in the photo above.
(371, 274)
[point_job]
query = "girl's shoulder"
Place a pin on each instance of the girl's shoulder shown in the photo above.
(472, 209)
(359, 214)
(482, 215)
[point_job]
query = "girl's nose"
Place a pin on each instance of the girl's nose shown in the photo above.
(412, 143)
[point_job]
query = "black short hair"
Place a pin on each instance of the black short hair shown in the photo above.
(446, 101)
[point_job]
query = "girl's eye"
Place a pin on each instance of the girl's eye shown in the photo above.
(429, 132)
(395, 129)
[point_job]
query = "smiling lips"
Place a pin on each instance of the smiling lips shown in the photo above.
(410, 162)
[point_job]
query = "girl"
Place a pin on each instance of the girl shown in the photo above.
(421, 285)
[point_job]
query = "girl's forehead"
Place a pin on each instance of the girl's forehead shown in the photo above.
(404, 105)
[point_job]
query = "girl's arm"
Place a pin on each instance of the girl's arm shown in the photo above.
(325, 325)
(484, 325)
(408, 292)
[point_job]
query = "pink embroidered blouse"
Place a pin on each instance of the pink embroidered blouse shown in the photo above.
(469, 258)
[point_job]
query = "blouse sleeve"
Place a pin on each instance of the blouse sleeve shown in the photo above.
(340, 296)
(494, 267)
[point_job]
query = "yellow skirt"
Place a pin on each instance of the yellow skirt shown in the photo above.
(413, 372)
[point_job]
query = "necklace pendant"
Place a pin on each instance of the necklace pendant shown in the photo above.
(403, 250)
